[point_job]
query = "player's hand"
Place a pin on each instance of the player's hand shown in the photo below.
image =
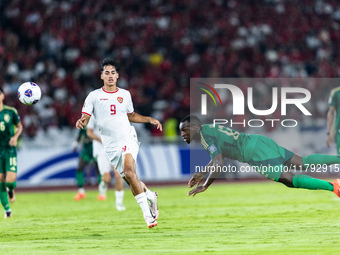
(197, 190)
(330, 140)
(196, 179)
(156, 123)
(80, 124)
(13, 141)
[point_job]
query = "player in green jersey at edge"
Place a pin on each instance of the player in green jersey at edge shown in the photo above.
(266, 156)
(10, 130)
(85, 159)
(333, 128)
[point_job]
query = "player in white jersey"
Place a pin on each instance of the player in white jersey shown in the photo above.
(113, 109)
(105, 167)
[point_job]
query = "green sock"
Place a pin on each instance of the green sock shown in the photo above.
(320, 159)
(4, 196)
(11, 185)
(80, 178)
(307, 182)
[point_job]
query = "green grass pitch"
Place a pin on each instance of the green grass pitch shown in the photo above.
(247, 218)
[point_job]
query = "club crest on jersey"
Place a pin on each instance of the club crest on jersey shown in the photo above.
(7, 118)
(120, 99)
(212, 148)
(124, 149)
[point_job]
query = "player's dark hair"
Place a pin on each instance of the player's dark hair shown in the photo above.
(109, 62)
(2, 91)
(192, 119)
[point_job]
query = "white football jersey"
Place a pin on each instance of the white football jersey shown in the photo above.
(110, 110)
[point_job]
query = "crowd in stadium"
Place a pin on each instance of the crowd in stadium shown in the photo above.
(160, 45)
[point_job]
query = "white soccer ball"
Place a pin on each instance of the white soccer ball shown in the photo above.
(29, 93)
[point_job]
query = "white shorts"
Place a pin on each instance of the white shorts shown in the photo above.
(104, 163)
(131, 145)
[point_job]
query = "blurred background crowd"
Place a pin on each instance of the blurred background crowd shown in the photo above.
(160, 45)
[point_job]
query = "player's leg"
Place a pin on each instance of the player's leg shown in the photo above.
(11, 183)
(11, 175)
(103, 186)
(96, 170)
(80, 179)
(152, 197)
(129, 168)
(307, 182)
(105, 168)
(3, 192)
(311, 161)
(119, 191)
(149, 194)
(278, 161)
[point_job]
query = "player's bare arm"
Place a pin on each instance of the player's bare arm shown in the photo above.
(137, 118)
(330, 125)
(198, 177)
(14, 139)
(83, 121)
(216, 161)
(92, 135)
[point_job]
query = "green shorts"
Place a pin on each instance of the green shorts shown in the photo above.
(86, 155)
(270, 159)
(8, 161)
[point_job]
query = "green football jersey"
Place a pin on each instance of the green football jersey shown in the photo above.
(334, 100)
(9, 118)
(229, 142)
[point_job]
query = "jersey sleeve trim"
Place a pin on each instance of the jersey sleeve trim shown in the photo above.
(333, 91)
(131, 112)
(86, 113)
(331, 102)
(11, 109)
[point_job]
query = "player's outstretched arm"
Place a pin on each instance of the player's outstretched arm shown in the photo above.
(330, 126)
(83, 121)
(136, 118)
(217, 162)
(198, 177)
(14, 139)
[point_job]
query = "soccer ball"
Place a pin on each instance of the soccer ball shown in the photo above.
(29, 93)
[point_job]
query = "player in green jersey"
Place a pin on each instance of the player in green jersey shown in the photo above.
(333, 119)
(10, 130)
(262, 153)
(85, 158)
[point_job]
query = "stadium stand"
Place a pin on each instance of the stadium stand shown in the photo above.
(160, 45)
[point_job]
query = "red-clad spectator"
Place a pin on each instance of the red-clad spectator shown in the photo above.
(161, 44)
